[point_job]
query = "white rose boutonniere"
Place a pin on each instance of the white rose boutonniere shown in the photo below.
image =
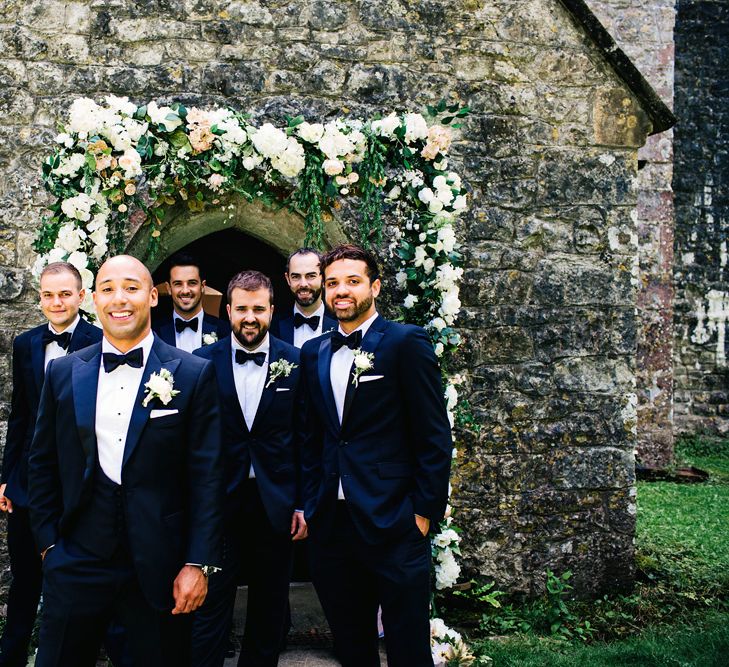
(279, 368)
(160, 385)
(363, 361)
(210, 338)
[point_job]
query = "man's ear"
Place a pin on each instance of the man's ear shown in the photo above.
(376, 286)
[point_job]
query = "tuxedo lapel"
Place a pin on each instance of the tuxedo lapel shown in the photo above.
(369, 344)
(208, 326)
(38, 358)
(80, 338)
(328, 323)
(140, 413)
(85, 383)
(324, 361)
(269, 390)
(223, 360)
(286, 330)
(167, 332)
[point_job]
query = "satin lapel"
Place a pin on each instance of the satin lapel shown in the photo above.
(85, 383)
(207, 326)
(80, 338)
(268, 392)
(324, 361)
(329, 324)
(369, 344)
(38, 359)
(140, 414)
(224, 368)
(167, 332)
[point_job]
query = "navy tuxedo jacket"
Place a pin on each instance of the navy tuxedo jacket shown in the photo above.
(283, 327)
(165, 328)
(28, 374)
(172, 485)
(393, 448)
(271, 444)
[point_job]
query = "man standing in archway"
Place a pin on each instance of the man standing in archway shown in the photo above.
(310, 318)
(375, 464)
(190, 326)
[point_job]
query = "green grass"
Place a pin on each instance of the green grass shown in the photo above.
(679, 612)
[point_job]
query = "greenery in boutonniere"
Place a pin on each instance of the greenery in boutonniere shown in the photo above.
(279, 368)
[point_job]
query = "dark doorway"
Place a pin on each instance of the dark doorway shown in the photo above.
(225, 253)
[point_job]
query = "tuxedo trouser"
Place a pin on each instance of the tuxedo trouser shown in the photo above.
(25, 590)
(353, 578)
(264, 557)
(82, 593)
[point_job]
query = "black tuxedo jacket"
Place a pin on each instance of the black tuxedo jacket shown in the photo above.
(172, 485)
(283, 327)
(165, 328)
(28, 374)
(393, 448)
(271, 444)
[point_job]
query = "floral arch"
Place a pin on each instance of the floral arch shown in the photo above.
(119, 168)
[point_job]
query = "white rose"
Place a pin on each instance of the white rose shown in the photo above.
(426, 195)
(87, 305)
(439, 349)
(333, 167)
(415, 127)
(335, 143)
(78, 259)
(459, 203)
(163, 116)
(394, 193)
(437, 627)
(232, 132)
(160, 150)
(78, 207)
(311, 132)
(121, 105)
(442, 165)
(135, 129)
(428, 264)
(87, 278)
(447, 237)
(435, 205)
(455, 180)
(438, 323)
(420, 255)
(131, 163)
(56, 255)
(292, 160)
(70, 165)
(361, 362)
(250, 162)
(269, 141)
(70, 238)
(386, 126)
(402, 278)
(64, 139)
(160, 387)
(410, 300)
(440, 182)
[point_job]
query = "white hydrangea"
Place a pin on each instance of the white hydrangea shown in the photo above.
(311, 132)
(447, 570)
(70, 165)
(386, 127)
(121, 105)
(415, 127)
(164, 116)
(292, 160)
(78, 259)
(335, 143)
(70, 238)
(269, 141)
(78, 207)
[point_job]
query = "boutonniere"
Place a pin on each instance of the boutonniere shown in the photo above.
(160, 385)
(210, 338)
(363, 361)
(279, 368)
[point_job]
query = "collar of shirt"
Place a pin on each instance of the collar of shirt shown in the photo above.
(364, 327)
(199, 317)
(319, 311)
(146, 345)
(264, 346)
(70, 328)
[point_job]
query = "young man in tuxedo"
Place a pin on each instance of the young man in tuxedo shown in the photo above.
(257, 378)
(189, 322)
(61, 295)
(309, 318)
(125, 484)
(375, 466)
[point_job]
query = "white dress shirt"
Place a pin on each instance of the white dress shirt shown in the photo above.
(115, 399)
(305, 332)
(249, 381)
(188, 339)
(54, 350)
(339, 375)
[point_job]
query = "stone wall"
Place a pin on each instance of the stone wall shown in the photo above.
(550, 154)
(644, 30)
(701, 184)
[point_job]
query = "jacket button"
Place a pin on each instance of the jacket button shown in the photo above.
(342, 443)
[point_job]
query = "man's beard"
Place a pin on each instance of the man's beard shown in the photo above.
(308, 301)
(262, 331)
(354, 311)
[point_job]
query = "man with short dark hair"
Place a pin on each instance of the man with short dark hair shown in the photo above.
(190, 326)
(125, 484)
(61, 294)
(257, 378)
(375, 466)
(310, 318)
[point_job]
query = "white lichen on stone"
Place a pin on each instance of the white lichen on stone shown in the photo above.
(629, 413)
(688, 258)
(712, 320)
(607, 159)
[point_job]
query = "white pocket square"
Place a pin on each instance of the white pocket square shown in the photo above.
(369, 378)
(162, 413)
(283, 388)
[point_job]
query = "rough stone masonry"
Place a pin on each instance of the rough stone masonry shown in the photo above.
(545, 475)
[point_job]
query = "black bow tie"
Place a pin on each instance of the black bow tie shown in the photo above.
(241, 356)
(300, 320)
(63, 339)
(352, 341)
(133, 358)
(181, 325)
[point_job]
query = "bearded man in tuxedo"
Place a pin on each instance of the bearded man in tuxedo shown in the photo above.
(65, 331)
(375, 465)
(125, 484)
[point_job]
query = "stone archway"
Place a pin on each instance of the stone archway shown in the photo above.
(281, 229)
